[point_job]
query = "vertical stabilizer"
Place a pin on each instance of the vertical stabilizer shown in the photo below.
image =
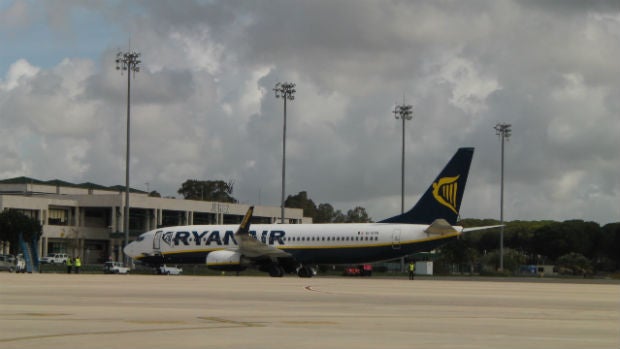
(443, 198)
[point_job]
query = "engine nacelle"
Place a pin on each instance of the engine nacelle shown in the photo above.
(226, 260)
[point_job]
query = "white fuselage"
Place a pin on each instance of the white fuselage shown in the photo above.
(308, 243)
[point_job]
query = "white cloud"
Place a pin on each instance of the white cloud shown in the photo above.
(203, 105)
(16, 15)
(18, 71)
(469, 89)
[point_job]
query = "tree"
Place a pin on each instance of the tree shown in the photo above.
(459, 252)
(324, 214)
(609, 245)
(557, 239)
(574, 263)
(327, 214)
(339, 217)
(12, 223)
(219, 191)
(512, 260)
(302, 201)
(358, 215)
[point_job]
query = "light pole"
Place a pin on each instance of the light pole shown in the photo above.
(403, 112)
(284, 90)
(503, 131)
(130, 62)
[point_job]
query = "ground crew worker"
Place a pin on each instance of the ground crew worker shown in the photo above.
(411, 270)
(69, 264)
(78, 265)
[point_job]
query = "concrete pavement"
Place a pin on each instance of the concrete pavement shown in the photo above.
(149, 311)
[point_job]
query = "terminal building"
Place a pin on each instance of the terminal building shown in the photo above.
(86, 220)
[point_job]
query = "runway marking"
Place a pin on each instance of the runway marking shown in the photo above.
(232, 322)
(217, 323)
(115, 332)
(36, 314)
(310, 322)
(156, 322)
(313, 289)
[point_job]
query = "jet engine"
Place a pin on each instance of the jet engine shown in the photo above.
(226, 260)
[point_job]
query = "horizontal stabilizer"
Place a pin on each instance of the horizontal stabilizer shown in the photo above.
(440, 227)
(466, 230)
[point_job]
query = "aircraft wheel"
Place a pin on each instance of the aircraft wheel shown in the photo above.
(305, 272)
(276, 271)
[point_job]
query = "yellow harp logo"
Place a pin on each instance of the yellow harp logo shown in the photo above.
(445, 191)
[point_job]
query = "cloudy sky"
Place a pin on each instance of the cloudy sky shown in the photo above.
(203, 105)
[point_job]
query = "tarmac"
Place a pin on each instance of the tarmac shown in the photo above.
(150, 311)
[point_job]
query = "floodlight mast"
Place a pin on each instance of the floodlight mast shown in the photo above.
(127, 61)
(504, 132)
(286, 91)
(403, 112)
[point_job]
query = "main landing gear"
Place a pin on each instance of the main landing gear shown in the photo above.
(305, 272)
(275, 270)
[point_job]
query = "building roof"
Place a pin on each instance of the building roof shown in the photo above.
(21, 180)
(61, 183)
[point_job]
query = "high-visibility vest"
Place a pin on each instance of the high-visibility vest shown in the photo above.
(411, 267)
(78, 262)
(69, 262)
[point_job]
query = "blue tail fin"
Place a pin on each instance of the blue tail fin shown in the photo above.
(443, 198)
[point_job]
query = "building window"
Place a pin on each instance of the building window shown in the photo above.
(57, 247)
(58, 216)
(34, 214)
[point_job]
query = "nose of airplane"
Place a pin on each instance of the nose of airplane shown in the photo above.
(130, 249)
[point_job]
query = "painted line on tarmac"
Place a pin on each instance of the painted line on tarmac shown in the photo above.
(216, 324)
(313, 289)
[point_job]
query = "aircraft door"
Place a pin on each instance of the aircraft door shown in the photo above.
(396, 239)
(157, 241)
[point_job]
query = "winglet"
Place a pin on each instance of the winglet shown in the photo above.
(244, 227)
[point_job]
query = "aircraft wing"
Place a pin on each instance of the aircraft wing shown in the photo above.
(252, 248)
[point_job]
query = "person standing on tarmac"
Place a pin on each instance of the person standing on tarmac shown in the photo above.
(69, 265)
(411, 270)
(78, 264)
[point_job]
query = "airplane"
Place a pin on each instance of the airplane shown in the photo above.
(280, 249)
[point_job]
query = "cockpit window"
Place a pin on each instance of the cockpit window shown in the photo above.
(141, 237)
